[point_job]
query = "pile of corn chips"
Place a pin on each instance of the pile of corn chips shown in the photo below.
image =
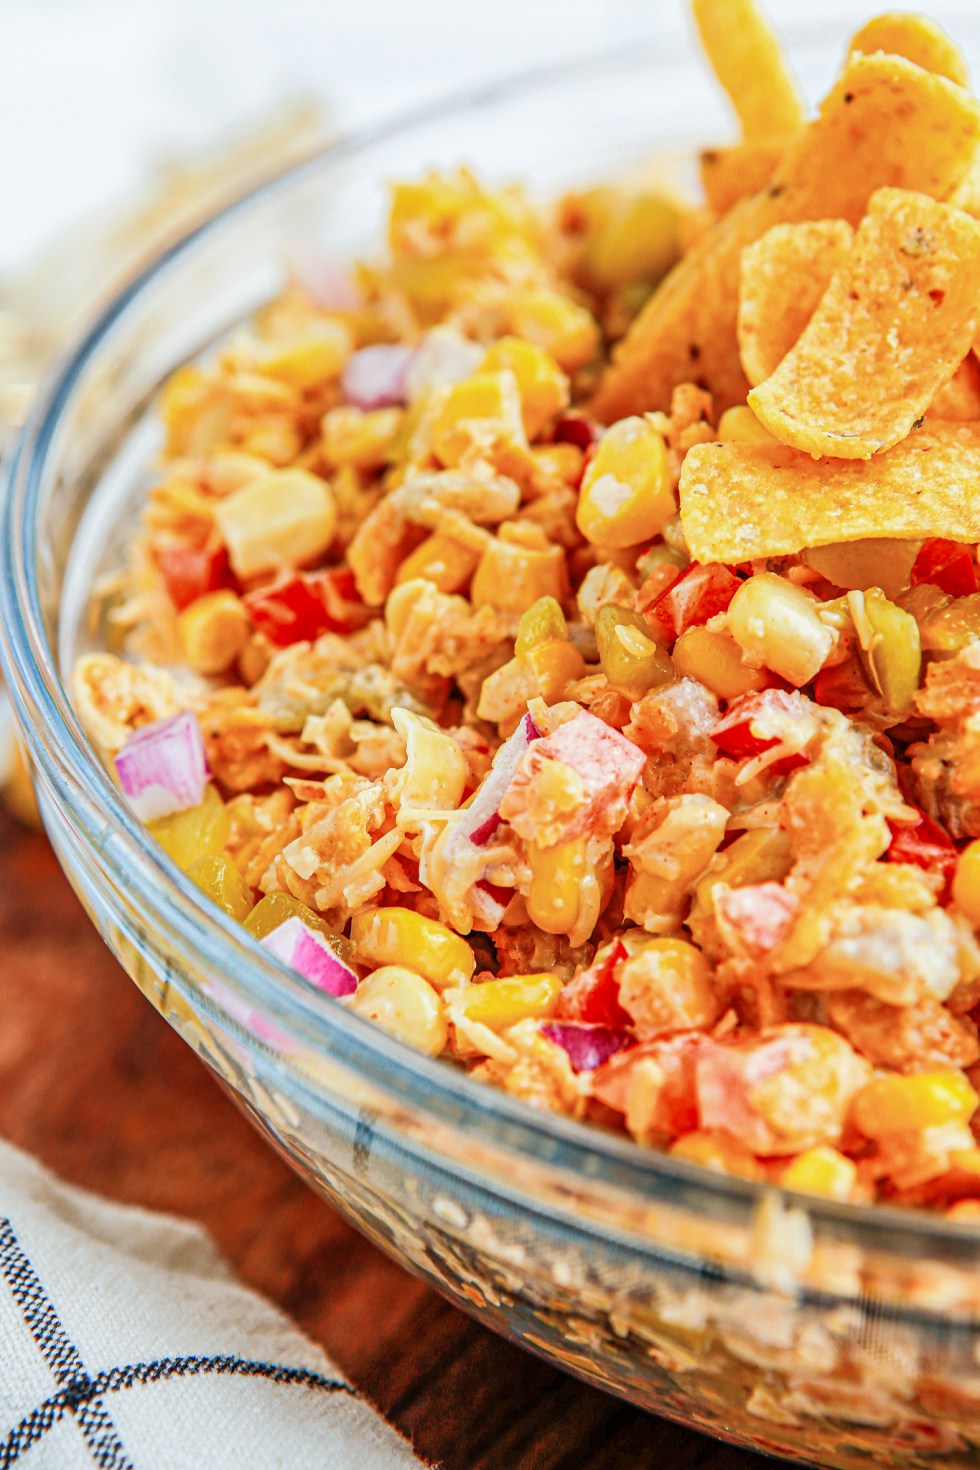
(837, 294)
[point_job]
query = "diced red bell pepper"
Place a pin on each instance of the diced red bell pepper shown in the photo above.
(593, 995)
(733, 732)
(698, 594)
(190, 572)
(302, 605)
(843, 687)
(575, 428)
(926, 845)
(948, 565)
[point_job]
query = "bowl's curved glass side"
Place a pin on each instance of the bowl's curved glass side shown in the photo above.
(773, 1321)
(745, 1359)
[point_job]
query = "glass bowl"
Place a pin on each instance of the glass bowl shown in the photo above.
(837, 1334)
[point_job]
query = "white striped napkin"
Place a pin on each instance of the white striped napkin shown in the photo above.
(126, 1344)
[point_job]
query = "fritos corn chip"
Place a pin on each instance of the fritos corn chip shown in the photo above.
(892, 327)
(918, 39)
(886, 122)
(737, 170)
(748, 61)
(742, 501)
(784, 275)
(959, 399)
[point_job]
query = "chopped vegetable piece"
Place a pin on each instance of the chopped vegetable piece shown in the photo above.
(219, 880)
(893, 1104)
(308, 953)
(197, 832)
(283, 520)
(593, 996)
(626, 494)
(375, 377)
(301, 605)
(888, 639)
(698, 594)
(274, 909)
(776, 624)
(587, 1047)
(630, 657)
(404, 1005)
(399, 936)
(191, 571)
(926, 845)
(948, 565)
(163, 769)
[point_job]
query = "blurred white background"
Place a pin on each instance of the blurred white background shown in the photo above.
(93, 92)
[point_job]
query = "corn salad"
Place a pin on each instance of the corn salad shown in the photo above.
(685, 848)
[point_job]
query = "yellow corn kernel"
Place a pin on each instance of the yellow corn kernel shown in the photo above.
(219, 880)
(666, 985)
(475, 414)
(821, 1170)
(540, 381)
(718, 1152)
(504, 693)
(213, 631)
(404, 1005)
(715, 659)
(194, 411)
(399, 936)
(510, 576)
(281, 521)
(431, 282)
(446, 563)
(627, 494)
(453, 210)
(434, 774)
(638, 240)
(310, 360)
(966, 883)
(776, 624)
(568, 331)
(559, 461)
(540, 623)
(557, 874)
(400, 602)
(351, 436)
(761, 856)
(554, 665)
(898, 1104)
(200, 831)
(275, 908)
(740, 426)
(502, 1003)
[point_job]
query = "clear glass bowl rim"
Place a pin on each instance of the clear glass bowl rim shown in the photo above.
(68, 766)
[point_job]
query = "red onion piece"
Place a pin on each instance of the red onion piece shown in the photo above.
(324, 279)
(444, 356)
(163, 768)
(309, 954)
(374, 377)
(482, 818)
(587, 1046)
